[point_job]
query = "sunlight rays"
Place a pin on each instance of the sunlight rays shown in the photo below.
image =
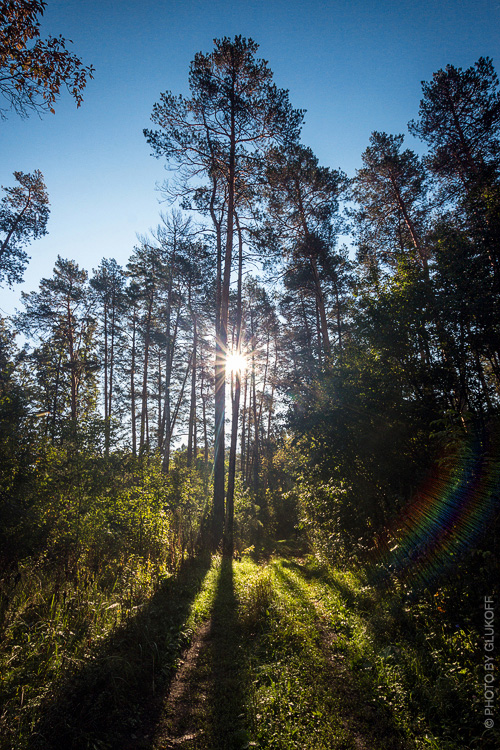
(235, 362)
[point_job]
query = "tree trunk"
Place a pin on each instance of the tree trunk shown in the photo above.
(229, 526)
(132, 386)
(111, 372)
(144, 394)
(255, 461)
(317, 281)
(192, 408)
(243, 425)
(106, 364)
(221, 346)
(205, 426)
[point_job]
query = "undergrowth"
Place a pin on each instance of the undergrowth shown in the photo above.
(297, 655)
(398, 668)
(117, 636)
(337, 662)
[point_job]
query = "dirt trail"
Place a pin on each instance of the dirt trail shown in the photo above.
(183, 708)
(203, 710)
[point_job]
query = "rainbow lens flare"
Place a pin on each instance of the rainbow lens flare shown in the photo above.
(446, 516)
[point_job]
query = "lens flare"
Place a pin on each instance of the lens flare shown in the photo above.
(446, 517)
(236, 362)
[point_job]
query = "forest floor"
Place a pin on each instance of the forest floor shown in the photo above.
(265, 670)
(274, 654)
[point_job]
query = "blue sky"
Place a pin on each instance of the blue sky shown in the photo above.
(354, 66)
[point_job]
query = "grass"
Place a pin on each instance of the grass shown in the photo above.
(401, 670)
(82, 665)
(282, 654)
(300, 692)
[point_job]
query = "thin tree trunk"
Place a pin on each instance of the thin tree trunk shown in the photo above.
(306, 324)
(205, 426)
(192, 408)
(56, 396)
(243, 425)
(274, 376)
(172, 423)
(264, 382)
(255, 462)
(159, 399)
(144, 394)
(318, 333)
(72, 360)
(169, 365)
(221, 346)
(111, 370)
(339, 322)
(106, 403)
(132, 385)
(317, 281)
(169, 349)
(251, 439)
(229, 527)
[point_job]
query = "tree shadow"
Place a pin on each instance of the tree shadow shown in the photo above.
(115, 698)
(402, 640)
(371, 722)
(359, 600)
(227, 694)
(206, 706)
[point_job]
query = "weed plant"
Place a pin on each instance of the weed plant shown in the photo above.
(104, 549)
(296, 655)
(337, 663)
(411, 664)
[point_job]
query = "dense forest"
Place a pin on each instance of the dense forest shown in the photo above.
(294, 362)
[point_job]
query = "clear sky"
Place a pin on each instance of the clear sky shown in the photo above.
(354, 66)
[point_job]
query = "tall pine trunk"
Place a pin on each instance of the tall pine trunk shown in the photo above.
(221, 346)
(229, 526)
(132, 385)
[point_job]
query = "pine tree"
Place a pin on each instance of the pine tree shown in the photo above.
(24, 211)
(59, 318)
(234, 115)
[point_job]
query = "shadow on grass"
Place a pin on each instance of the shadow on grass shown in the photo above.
(226, 697)
(371, 722)
(435, 693)
(354, 599)
(114, 699)
(206, 706)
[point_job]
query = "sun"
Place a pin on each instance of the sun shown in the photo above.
(235, 362)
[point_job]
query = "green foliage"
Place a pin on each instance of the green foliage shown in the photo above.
(24, 211)
(336, 661)
(85, 553)
(247, 521)
(256, 600)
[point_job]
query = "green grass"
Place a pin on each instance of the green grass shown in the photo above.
(398, 670)
(82, 663)
(290, 655)
(300, 693)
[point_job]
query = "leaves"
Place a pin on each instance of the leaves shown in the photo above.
(31, 77)
(24, 212)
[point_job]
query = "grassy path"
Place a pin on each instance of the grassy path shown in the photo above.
(285, 658)
(279, 656)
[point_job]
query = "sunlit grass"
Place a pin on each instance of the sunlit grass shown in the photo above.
(96, 629)
(305, 656)
(415, 671)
